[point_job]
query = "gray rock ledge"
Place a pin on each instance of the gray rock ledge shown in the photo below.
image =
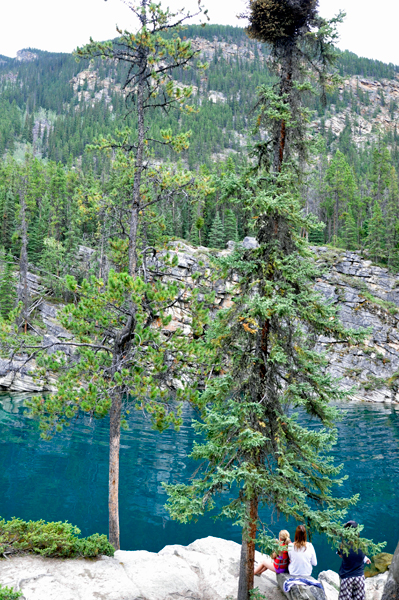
(207, 569)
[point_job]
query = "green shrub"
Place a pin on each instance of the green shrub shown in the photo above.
(7, 593)
(50, 539)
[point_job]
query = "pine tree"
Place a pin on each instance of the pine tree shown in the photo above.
(132, 360)
(392, 222)
(7, 213)
(341, 194)
(216, 237)
(39, 230)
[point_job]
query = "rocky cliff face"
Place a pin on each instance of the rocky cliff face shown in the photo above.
(366, 295)
(377, 109)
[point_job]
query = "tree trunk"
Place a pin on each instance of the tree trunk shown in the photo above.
(134, 215)
(247, 559)
(280, 138)
(23, 263)
(114, 445)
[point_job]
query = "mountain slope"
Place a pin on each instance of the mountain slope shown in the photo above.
(70, 103)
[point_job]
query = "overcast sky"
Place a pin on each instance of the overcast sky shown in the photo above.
(61, 26)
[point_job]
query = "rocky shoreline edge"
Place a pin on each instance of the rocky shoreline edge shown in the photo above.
(207, 569)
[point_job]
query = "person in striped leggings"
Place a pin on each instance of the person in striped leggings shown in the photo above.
(351, 572)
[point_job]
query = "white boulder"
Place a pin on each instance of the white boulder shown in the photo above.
(207, 569)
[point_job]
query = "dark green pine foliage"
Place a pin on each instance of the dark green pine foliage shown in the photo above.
(230, 226)
(39, 230)
(216, 238)
(258, 446)
(7, 214)
(377, 233)
(8, 292)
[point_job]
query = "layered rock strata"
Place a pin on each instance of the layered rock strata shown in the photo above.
(366, 295)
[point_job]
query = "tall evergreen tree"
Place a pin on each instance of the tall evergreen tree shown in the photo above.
(216, 235)
(376, 239)
(340, 200)
(230, 226)
(256, 450)
(392, 221)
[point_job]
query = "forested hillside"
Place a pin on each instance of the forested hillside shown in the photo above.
(52, 108)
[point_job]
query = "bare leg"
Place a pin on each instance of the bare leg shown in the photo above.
(264, 566)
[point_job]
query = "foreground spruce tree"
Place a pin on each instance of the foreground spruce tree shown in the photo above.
(272, 375)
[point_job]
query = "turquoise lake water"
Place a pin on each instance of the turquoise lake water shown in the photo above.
(67, 478)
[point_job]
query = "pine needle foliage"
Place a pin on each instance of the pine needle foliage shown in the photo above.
(124, 350)
(8, 293)
(272, 370)
(150, 372)
(230, 226)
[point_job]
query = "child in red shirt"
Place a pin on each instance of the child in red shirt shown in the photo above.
(280, 562)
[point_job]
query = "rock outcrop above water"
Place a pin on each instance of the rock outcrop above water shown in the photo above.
(207, 569)
(365, 294)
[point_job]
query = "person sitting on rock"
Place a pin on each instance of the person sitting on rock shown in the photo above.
(302, 555)
(351, 572)
(279, 564)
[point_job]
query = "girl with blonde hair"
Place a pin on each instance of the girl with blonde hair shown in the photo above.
(279, 564)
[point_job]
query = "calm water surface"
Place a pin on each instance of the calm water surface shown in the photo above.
(67, 478)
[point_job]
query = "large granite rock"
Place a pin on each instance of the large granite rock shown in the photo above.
(301, 592)
(367, 296)
(19, 376)
(207, 569)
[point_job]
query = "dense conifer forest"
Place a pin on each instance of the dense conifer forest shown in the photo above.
(53, 108)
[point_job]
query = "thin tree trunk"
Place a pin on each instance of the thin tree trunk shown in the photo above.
(281, 135)
(114, 445)
(23, 263)
(125, 335)
(247, 559)
(134, 215)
